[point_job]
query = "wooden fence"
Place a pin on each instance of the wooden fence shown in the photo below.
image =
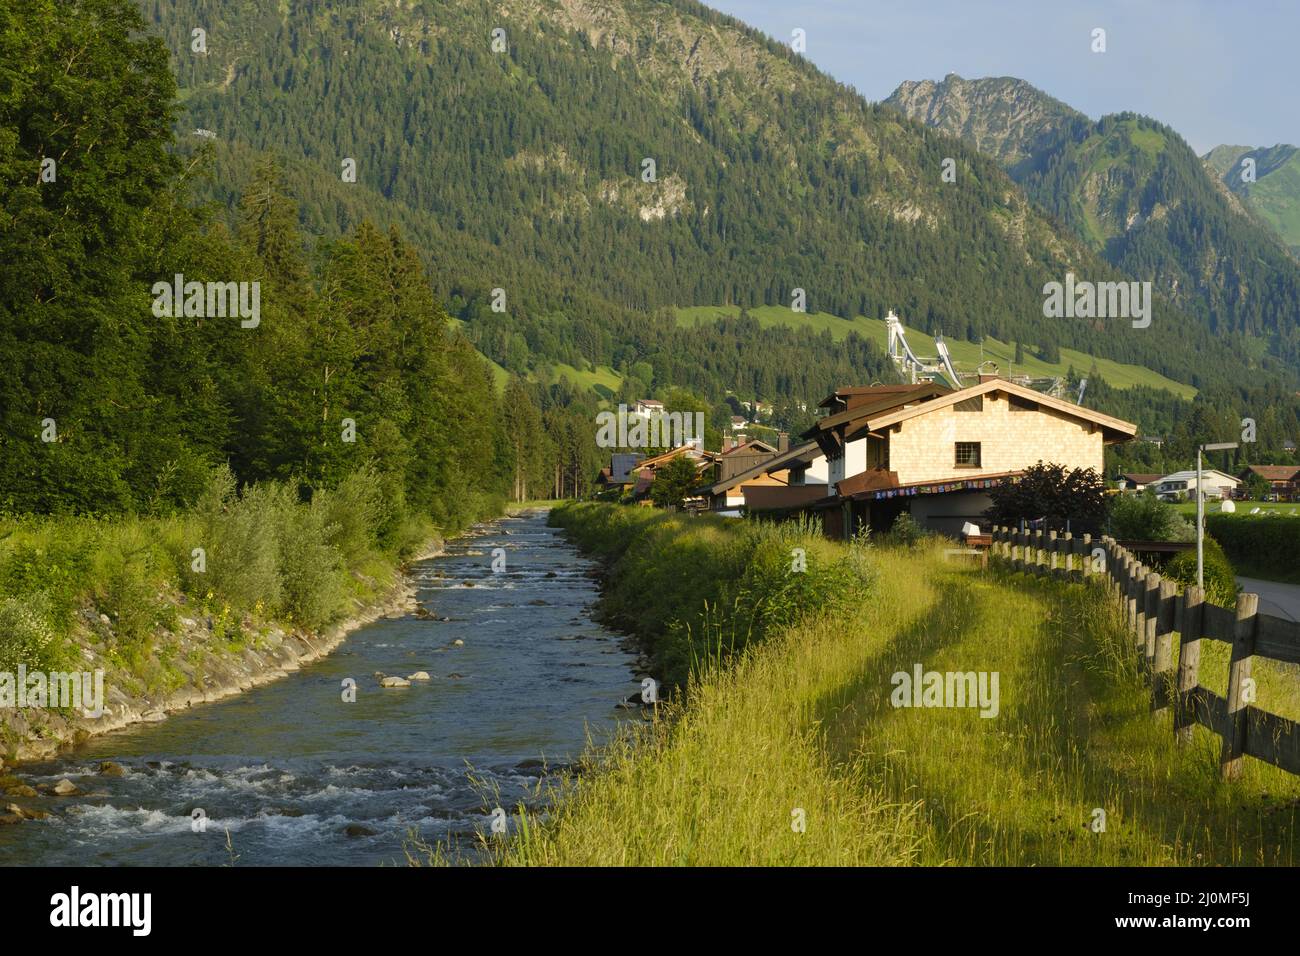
(1154, 612)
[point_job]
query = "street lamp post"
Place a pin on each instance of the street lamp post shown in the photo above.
(1200, 508)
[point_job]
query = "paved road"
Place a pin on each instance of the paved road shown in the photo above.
(1275, 598)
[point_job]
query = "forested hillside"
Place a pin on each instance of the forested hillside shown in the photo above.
(109, 403)
(523, 168)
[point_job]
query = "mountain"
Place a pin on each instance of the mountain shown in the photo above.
(1275, 192)
(525, 170)
(1134, 191)
(1002, 117)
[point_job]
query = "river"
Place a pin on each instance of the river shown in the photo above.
(297, 776)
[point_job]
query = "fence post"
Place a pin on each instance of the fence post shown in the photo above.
(1087, 555)
(1052, 543)
(1068, 548)
(1130, 591)
(1189, 662)
(1150, 608)
(1243, 649)
(1163, 659)
(1038, 547)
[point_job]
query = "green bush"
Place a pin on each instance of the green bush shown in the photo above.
(27, 636)
(905, 531)
(1220, 577)
(131, 574)
(238, 535)
(1144, 517)
(312, 576)
(1265, 540)
(356, 512)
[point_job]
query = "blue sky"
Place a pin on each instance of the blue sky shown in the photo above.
(1217, 71)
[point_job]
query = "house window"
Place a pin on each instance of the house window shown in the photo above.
(975, 404)
(968, 454)
(1019, 404)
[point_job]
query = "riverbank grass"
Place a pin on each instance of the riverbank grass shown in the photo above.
(1073, 770)
(242, 560)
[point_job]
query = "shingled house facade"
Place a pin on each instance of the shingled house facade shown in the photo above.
(936, 452)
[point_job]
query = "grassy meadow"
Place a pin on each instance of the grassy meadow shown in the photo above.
(797, 723)
(967, 355)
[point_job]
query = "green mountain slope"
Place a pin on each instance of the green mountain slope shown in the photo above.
(1275, 193)
(523, 170)
(1135, 192)
(967, 356)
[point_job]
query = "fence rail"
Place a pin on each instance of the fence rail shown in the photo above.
(1154, 612)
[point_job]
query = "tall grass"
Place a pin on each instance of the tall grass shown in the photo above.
(699, 589)
(242, 560)
(803, 721)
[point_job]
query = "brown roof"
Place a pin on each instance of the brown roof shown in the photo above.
(855, 395)
(753, 443)
(768, 497)
(800, 454)
(873, 479)
(1141, 478)
(876, 401)
(1275, 472)
(699, 455)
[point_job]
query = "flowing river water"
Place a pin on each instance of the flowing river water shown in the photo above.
(296, 776)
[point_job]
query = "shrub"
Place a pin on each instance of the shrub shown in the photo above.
(312, 586)
(1270, 540)
(27, 636)
(354, 512)
(1220, 577)
(238, 533)
(905, 531)
(1050, 492)
(1144, 517)
(129, 571)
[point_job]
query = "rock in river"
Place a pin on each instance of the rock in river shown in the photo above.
(66, 788)
(394, 682)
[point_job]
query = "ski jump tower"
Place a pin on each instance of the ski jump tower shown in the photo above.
(930, 369)
(906, 361)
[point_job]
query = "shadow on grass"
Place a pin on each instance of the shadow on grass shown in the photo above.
(1074, 735)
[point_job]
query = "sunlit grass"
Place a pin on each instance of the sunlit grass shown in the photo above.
(803, 721)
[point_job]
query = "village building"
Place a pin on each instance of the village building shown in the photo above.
(756, 477)
(644, 471)
(1138, 481)
(618, 474)
(1181, 485)
(1283, 480)
(936, 452)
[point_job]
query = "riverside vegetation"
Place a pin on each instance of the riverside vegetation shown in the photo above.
(800, 720)
(266, 558)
